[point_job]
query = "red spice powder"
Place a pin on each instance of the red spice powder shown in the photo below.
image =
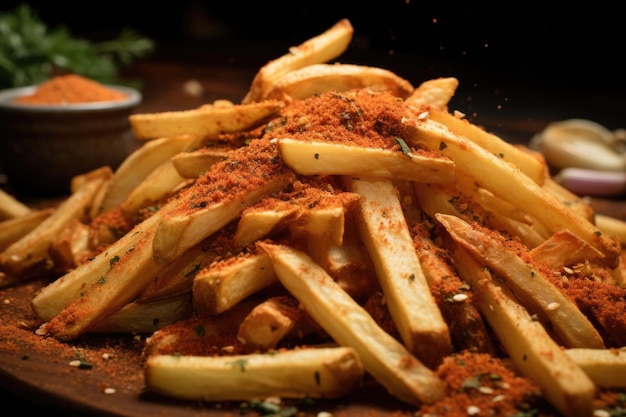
(71, 88)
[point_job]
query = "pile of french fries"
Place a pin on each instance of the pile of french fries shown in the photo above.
(327, 226)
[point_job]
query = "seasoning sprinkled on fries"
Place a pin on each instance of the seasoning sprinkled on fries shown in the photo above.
(338, 225)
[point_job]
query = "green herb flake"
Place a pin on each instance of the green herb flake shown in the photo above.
(113, 261)
(403, 146)
(240, 363)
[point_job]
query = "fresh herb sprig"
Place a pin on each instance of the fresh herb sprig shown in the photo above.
(31, 53)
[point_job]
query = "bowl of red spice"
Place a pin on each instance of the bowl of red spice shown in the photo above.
(64, 127)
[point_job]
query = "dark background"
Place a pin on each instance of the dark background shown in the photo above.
(547, 61)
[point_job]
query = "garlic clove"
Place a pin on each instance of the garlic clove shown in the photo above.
(579, 143)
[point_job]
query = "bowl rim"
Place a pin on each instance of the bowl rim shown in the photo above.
(133, 98)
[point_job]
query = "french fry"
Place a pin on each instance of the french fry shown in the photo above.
(250, 173)
(521, 159)
(192, 164)
(436, 93)
(324, 158)
(11, 207)
(203, 122)
(146, 318)
(384, 231)
(13, 229)
(504, 180)
(402, 374)
(605, 367)
(161, 182)
(528, 283)
(224, 284)
(68, 247)
(29, 256)
(300, 373)
(564, 249)
(563, 383)
(611, 226)
(316, 50)
(269, 322)
(140, 164)
(320, 78)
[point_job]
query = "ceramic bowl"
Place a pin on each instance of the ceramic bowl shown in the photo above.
(42, 147)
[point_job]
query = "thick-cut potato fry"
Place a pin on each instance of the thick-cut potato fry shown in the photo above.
(316, 50)
(68, 247)
(29, 255)
(504, 180)
(523, 160)
(324, 158)
(11, 207)
(157, 185)
(225, 283)
(605, 367)
(528, 283)
(146, 317)
(320, 78)
(54, 297)
(385, 233)
(219, 196)
(392, 364)
(203, 122)
(271, 321)
(192, 164)
(299, 373)
(611, 226)
(564, 249)
(563, 383)
(571, 200)
(139, 164)
(435, 93)
(15, 228)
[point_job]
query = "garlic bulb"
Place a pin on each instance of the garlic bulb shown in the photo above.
(580, 143)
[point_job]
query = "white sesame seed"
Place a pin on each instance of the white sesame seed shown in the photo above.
(274, 140)
(75, 363)
(485, 390)
(6, 301)
(228, 349)
(601, 413)
(459, 114)
(273, 400)
(109, 390)
(106, 356)
(553, 306)
(568, 270)
(459, 297)
(423, 115)
(498, 398)
(472, 410)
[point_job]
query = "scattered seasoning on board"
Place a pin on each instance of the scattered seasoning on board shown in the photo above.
(71, 88)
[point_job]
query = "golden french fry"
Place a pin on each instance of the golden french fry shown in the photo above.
(504, 180)
(324, 158)
(386, 236)
(403, 375)
(605, 367)
(528, 283)
(300, 373)
(140, 164)
(320, 78)
(611, 226)
(146, 317)
(13, 229)
(244, 178)
(316, 50)
(564, 249)
(203, 122)
(29, 255)
(526, 162)
(157, 185)
(224, 284)
(435, 93)
(563, 383)
(11, 207)
(192, 164)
